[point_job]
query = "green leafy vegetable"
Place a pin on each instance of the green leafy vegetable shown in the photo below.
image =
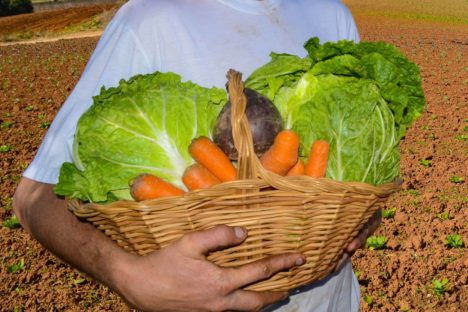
(359, 97)
(454, 241)
(144, 125)
(388, 213)
(376, 242)
(439, 287)
(16, 267)
(11, 223)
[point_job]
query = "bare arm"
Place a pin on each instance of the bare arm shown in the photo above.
(175, 278)
(360, 240)
(47, 219)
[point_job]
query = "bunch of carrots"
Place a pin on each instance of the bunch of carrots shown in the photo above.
(212, 166)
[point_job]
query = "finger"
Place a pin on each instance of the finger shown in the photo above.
(358, 242)
(244, 300)
(375, 221)
(345, 257)
(201, 243)
(370, 227)
(263, 269)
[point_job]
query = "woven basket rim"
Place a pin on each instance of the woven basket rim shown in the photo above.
(324, 185)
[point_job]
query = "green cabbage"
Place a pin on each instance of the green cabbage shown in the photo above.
(359, 97)
(144, 125)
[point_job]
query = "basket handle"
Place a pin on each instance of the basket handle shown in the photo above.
(249, 165)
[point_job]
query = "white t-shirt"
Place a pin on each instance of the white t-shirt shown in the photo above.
(200, 40)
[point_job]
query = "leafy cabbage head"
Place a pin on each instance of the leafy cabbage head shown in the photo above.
(360, 97)
(144, 125)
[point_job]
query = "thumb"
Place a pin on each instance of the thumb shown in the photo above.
(200, 243)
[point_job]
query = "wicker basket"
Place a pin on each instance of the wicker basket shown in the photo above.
(316, 217)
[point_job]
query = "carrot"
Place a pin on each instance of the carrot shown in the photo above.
(208, 154)
(297, 169)
(197, 176)
(148, 186)
(283, 154)
(318, 157)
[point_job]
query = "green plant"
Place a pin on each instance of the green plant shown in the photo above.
(444, 215)
(5, 148)
(357, 274)
(29, 108)
(79, 281)
(11, 223)
(15, 267)
(6, 124)
(44, 125)
(462, 137)
(413, 192)
(376, 242)
(388, 213)
(439, 287)
(454, 241)
(8, 203)
(456, 179)
(425, 162)
(368, 299)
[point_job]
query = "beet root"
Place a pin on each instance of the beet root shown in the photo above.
(264, 119)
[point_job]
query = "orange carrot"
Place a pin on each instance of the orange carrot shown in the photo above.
(297, 169)
(283, 154)
(148, 186)
(318, 157)
(208, 154)
(197, 176)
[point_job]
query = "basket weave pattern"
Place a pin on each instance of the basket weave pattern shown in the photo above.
(316, 217)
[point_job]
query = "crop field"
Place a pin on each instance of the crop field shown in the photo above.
(417, 260)
(54, 23)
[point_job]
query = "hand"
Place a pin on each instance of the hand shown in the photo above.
(360, 240)
(179, 278)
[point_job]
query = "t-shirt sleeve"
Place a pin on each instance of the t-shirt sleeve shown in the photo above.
(118, 55)
(351, 28)
(331, 21)
(346, 25)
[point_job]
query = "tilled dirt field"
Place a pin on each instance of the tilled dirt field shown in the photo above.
(415, 272)
(50, 23)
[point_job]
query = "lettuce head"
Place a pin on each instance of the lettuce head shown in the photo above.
(144, 125)
(360, 97)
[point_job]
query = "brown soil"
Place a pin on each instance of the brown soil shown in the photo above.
(36, 79)
(73, 35)
(401, 276)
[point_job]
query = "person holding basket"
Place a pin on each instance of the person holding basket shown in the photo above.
(199, 40)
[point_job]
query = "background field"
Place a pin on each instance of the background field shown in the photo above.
(415, 271)
(454, 11)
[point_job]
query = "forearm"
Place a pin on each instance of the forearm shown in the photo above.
(78, 243)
